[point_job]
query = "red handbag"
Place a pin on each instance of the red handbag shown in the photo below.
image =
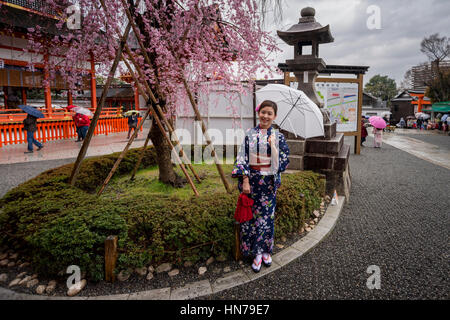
(243, 211)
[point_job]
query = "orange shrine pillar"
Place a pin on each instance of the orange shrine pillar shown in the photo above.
(93, 84)
(47, 91)
(419, 105)
(136, 99)
(69, 98)
(24, 96)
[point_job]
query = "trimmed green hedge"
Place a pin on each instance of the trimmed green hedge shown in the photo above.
(57, 225)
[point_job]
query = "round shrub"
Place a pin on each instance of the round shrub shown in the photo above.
(56, 225)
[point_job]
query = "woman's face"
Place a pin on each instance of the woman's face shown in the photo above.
(266, 116)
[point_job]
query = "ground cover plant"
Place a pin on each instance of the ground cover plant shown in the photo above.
(56, 225)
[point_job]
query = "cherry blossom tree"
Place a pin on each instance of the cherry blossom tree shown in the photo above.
(198, 43)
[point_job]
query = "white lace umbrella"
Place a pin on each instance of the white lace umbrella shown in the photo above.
(296, 112)
(82, 110)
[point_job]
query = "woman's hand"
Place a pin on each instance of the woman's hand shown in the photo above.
(246, 185)
(271, 140)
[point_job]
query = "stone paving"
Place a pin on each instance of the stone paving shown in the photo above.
(437, 152)
(397, 219)
(68, 148)
(438, 139)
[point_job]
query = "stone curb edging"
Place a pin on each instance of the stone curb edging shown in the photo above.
(232, 279)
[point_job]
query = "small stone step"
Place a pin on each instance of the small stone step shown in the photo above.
(296, 147)
(325, 146)
(340, 162)
(295, 162)
(318, 162)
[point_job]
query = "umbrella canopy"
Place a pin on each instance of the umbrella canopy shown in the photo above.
(32, 111)
(71, 107)
(422, 115)
(377, 122)
(82, 110)
(444, 117)
(130, 112)
(296, 112)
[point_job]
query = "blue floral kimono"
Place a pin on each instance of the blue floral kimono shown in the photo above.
(257, 234)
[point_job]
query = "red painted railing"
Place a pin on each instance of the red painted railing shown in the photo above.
(56, 129)
(17, 115)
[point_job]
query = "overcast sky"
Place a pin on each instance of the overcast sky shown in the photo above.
(390, 51)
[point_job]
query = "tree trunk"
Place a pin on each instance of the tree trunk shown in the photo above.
(163, 158)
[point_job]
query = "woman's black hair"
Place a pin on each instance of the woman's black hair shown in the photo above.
(268, 103)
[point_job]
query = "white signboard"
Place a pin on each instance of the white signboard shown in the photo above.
(341, 99)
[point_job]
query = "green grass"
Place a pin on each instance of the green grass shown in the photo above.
(147, 184)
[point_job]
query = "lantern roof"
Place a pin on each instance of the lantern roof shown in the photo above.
(306, 30)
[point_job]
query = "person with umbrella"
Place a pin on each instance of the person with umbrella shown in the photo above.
(132, 121)
(81, 120)
(30, 126)
(83, 123)
(262, 157)
(378, 125)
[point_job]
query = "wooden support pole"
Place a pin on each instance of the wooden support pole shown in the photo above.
(237, 242)
(94, 121)
(205, 133)
(166, 122)
(358, 115)
(160, 126)
(141, 156)
(150, 92)
(110, 258)
(122, 155)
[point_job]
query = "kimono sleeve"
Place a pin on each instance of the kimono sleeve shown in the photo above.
(284, 153)
(241, 165)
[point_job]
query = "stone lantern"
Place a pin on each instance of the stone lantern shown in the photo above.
(327, 155)
(306, 66)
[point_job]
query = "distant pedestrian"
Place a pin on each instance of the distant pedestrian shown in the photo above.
(363, 132)
(402, 123)
(132, 123)
(377, 133)
(82, 123)
(419, 124)
(30, 126)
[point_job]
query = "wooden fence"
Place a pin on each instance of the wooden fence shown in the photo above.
(12, 132)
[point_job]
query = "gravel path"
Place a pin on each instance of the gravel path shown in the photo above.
(17, 173)
(399, 223)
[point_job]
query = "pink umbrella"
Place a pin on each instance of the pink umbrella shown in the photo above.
(377, 122)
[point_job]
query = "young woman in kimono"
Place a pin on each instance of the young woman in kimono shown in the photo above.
(261, 159)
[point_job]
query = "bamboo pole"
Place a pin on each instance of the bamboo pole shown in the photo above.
(141, 156)
(205, 133)
(165, 121)
(147, 60)
(194, 105)
(90, 133)
(150, 108)
(146, 96)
